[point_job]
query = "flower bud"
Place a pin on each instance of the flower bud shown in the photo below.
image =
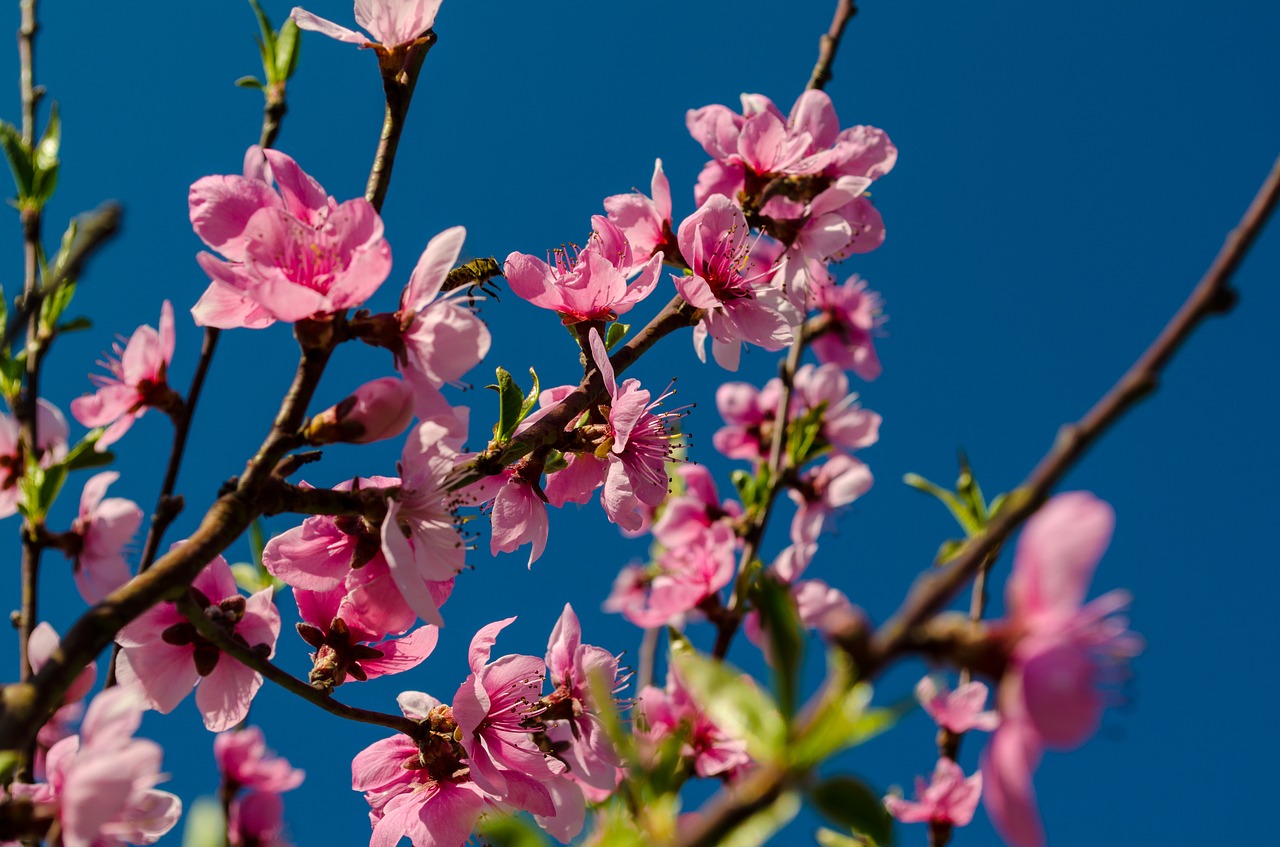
(377, 410)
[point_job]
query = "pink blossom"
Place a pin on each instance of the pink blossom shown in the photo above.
(645, 222)
(518, 516)
(587, 285)
(442, 339)
(493, 708)
(630, 459)
(853, 315)
(41, 646)
(749, 413)
(102, 780)
(682, 578)
(257, 820)
(392, 23)
(687, 516)
(163, 656)
(424, 791)
(379, 409)
(818, 607)
(1064, 649)
(51, 444)
(573, 668)
(290, 253)
(949, 798)
(715, 243)
(325, 553)
(958, 711)
(245, 762)
(136, 382)
(104, 527)
(845, 425)
(419, 535)
(672, 712)
(346, 626)
(821, 491)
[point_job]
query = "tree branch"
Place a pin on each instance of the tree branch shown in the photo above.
(829, 43)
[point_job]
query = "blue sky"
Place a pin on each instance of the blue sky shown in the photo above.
(1065, 175)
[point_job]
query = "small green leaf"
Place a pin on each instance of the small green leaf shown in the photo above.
(948, 550)
(958, 510)
(50, 487)
(75, 325)
(511, 831)
(249, 82)
(765, 824)
(257, 541)
(849, 803)
(45, 160)
(510, 401)
(733, 701)
(969, 491)
(267, 43)
(530, 399)
(288, 44)
(830, 838)
(9, 760)
(617, 332)
(206, 826)
(19, 157)
(782, 625)
(247, 577)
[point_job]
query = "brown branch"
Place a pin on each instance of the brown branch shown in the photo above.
(245, 656)
(1212, 295)
(399, 78)
(829, 43)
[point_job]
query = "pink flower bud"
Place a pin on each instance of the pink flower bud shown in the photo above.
(377, 410)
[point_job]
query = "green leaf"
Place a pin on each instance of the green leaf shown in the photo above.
(84, 457)
(958, 510)
(510, 401)
(288, 45)
(948, 550)
(763, 825)
(969, 491)
(267, 43)
(75, 325)
(19, 157)
(617, 332)
(530, 399)
(733, 701)
(782, 625)
(847, 802)
(511, 831)
(9, 760)
(50, 487)
(206, 825)
(249, 82)
(745, 483)
(830, 838)
(257, 541)
(45, 160)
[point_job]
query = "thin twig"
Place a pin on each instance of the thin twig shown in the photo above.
(829, 43)
(399, 78)
(1212, 296)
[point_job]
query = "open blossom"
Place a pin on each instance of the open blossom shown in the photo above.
(682, 578)
(40, 647)
(102, 781)
(630, 461)
(590, 284)
(645, 221)
(291, 252)
(392, 23)
(853, 317)
(958, 711)
(687, 516)
(822, 491)
(105, 525)
(244, 761)
(136, 382)
(571, 718)
(493, 707)
(51, 435)
(440, 338)
(325, 553)
(1065, 648)
(672, 712)
(163, 656)
(419, 535)
(715, 244)
(949, 798)
(424, 791)
(349, 634)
